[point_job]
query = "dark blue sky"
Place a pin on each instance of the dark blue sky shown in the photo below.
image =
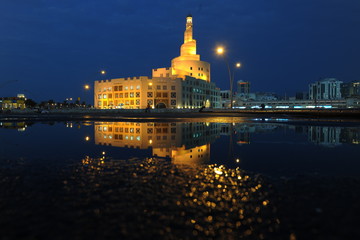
(51, 48)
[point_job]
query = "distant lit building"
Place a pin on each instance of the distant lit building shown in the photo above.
(8, 103)
(325, 89)
(186, 84)
(266, 96)
(243, 88)
(351, 89)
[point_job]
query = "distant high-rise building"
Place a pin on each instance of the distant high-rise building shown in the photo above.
(186, 84)
(325, 89)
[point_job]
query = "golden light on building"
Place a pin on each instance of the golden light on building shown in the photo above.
(184, 84)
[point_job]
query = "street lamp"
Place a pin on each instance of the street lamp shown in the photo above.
(103, 72)
(221, 51)
(86, 86)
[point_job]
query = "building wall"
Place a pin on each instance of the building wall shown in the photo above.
(9, 103)
(137, 93)
(327, 88)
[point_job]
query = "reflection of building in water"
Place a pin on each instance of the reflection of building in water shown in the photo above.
(350, 135)
(328, 136)
(183, 142)
(333, 136)
(20, 126)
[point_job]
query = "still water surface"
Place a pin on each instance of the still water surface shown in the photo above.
(268, 146)
(234, 178)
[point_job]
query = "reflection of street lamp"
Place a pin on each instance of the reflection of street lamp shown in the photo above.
(221, 51)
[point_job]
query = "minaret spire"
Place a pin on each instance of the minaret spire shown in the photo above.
(189, 46)
(189, 29)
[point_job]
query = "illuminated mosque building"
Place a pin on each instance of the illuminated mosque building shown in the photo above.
(186, 84)
(183, 143)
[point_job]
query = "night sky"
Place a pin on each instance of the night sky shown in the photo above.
(49, 48)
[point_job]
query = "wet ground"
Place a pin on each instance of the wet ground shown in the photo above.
(103, 198)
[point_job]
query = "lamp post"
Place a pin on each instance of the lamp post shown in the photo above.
(221, 51)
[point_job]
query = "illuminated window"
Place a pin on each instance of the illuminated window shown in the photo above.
(138, 138)
(126, 88)
(131, 87)
(104, 96)
(149, 94)
(132, 130)
(137, 102)
(99, 96)
(138, 87)
(131, 94)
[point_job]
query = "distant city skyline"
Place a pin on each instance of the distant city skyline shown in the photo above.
(51, 50)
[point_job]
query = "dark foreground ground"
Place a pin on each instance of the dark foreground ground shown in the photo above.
(103, 198)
